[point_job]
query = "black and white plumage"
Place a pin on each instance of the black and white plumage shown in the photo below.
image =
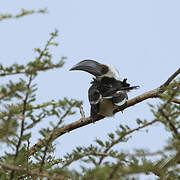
(107, 91)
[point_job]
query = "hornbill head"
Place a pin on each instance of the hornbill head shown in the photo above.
(96, 69)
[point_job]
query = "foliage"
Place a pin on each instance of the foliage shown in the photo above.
(20, 113)
(23, 12)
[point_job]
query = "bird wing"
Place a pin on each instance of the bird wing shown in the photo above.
(94, 99)
(94, 95)
(116, 90)
(120, 99)
(116, 87)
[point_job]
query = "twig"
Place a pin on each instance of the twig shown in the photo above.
(175, 100)
(51, 136)
(23, 13)
(22, 123)
(97, 154)
(172, 161)
(30, 173)
(127, 133)
(104, 154)
(29, 72)
(80, 123)
(114, 170)
(161, 110)
(28, 145)
(82, 113)
(2, 96)
(172, 127)
(169, 162)
(170, 79)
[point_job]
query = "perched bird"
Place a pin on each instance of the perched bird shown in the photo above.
(107, 91)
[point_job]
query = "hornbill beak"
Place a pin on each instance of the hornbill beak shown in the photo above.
(91, 67)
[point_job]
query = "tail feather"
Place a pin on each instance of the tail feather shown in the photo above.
(127, 88)
(113, 91)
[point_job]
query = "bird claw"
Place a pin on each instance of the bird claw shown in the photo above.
(92, 120)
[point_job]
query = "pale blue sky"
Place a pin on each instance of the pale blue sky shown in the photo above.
(141, 38)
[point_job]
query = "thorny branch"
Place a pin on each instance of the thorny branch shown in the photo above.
(159, 168)
(22, 122)
(121, 137)
(80, 123)
(173, 128)
(21, 14)
(113, 172)
(51, 136)
(175, 100)
(105, 153)
(161, 110)
(176, 158)
(25, 71)
(30, 172)
(42, 67)
(167, 163)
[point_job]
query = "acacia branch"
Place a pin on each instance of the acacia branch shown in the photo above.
(27, 71)
(50, 139)
(175, 100)
(166, 83)
(105, 153)
(171, 125)
(169, 162)
(125, 134)
(114, 170)
(23, 13)
(81, 122)
(29, 172)
(22, 123)
(161, 110)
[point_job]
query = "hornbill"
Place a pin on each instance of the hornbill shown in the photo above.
(107, 91)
